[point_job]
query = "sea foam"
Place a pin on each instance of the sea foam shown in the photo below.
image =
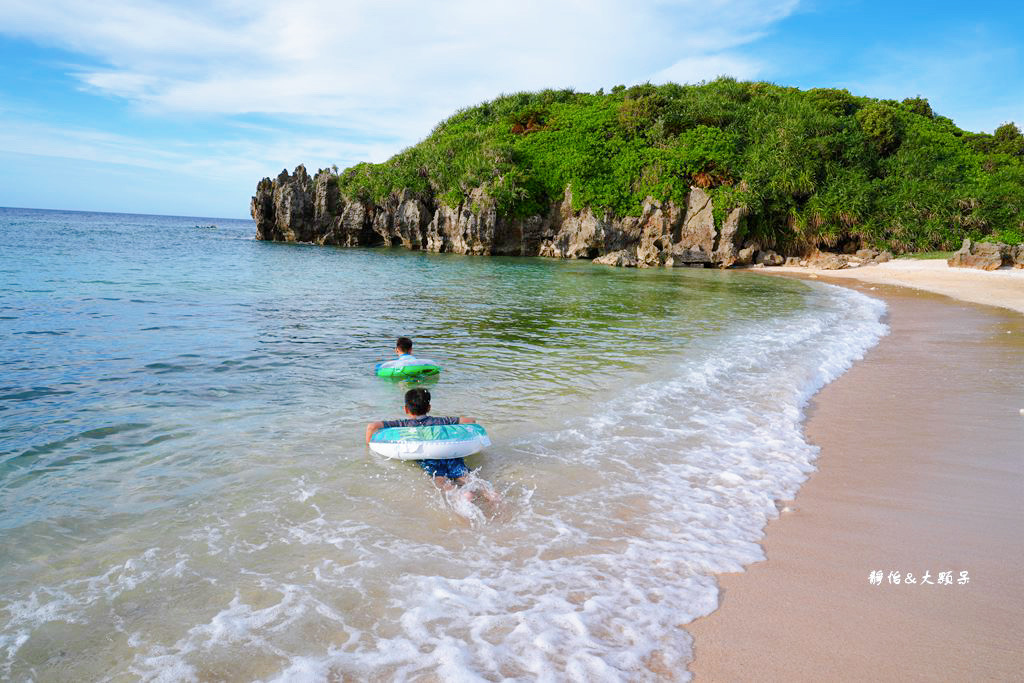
(662, 486)
(258, 544)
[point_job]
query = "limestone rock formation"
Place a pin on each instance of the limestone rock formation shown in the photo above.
(725, 253)
(983, 255)
(295, 208)
(745, 256)
(1018, 256)
(620, 258)
(768, 258)
(827, 261)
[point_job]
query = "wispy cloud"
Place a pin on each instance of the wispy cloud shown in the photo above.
(251, 86)
(219, 159)
(399, 64)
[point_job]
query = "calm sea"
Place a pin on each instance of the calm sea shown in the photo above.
(185, 494)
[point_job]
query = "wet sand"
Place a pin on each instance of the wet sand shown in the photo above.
(921, 470)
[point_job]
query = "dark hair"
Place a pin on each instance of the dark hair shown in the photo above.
(418, 401)
(404, 344)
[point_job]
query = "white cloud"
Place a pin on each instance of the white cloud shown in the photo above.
(396, 66)
(335, 83)
(248, 158)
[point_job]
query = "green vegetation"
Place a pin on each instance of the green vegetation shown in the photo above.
(816, 167)
(920, 255)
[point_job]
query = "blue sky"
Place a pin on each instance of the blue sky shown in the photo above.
(181, 107)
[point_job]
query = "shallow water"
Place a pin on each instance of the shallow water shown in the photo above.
(186, 496)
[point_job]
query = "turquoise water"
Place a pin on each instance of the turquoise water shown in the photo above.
(186, 494)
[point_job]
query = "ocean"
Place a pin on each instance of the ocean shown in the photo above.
(185, 493)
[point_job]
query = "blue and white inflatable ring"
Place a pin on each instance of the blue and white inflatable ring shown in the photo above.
(435, 442)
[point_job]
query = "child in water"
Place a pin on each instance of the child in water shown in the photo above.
(447, 472)
(403, 349)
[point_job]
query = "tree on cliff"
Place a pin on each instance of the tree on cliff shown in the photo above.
(810, 168)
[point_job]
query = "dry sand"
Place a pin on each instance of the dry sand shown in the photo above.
(921, 470)
(1003, 287)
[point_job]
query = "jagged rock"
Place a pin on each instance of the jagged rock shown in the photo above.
(326, 198)
(262, 210)
(824, 260)
(283, 209)
(883, 257)
(866, 254)
(746, 255)
(295, 208)
(621, 258)
(768, 258)
(658, 226)
(792, 261)
(1018, 256)
(725, 253)
(983, 255)
(574, 235)
(698, 231)
(683, 257)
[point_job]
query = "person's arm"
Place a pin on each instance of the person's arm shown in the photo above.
(372, 428)
(467, 420)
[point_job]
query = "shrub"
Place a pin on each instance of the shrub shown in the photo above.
(815, 167)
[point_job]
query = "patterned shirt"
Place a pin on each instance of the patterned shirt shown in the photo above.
(421, 421)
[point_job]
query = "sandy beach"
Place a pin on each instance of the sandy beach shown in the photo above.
(1003, 288)
(921, 472)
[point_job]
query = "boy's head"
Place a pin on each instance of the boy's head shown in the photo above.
(403, 345)
(417, 402)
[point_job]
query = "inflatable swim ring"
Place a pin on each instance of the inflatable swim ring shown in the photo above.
(435, 442)
(408, 367)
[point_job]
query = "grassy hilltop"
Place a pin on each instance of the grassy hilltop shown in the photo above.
(814, 167)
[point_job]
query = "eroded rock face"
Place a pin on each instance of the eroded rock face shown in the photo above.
(283, 208)
(768, 258)
(1018, 256)
(745, 256)
(827, 261)
(983, 255)
(621, 258)
(295, 208)
(726, 253)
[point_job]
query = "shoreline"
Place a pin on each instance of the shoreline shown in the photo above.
(1002, 288)
(919, 470)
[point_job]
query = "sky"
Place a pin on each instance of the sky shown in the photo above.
(181, 107)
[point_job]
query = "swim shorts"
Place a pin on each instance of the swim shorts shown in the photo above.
(453, 468)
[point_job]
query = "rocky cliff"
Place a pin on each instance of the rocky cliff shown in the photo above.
(297, 208)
